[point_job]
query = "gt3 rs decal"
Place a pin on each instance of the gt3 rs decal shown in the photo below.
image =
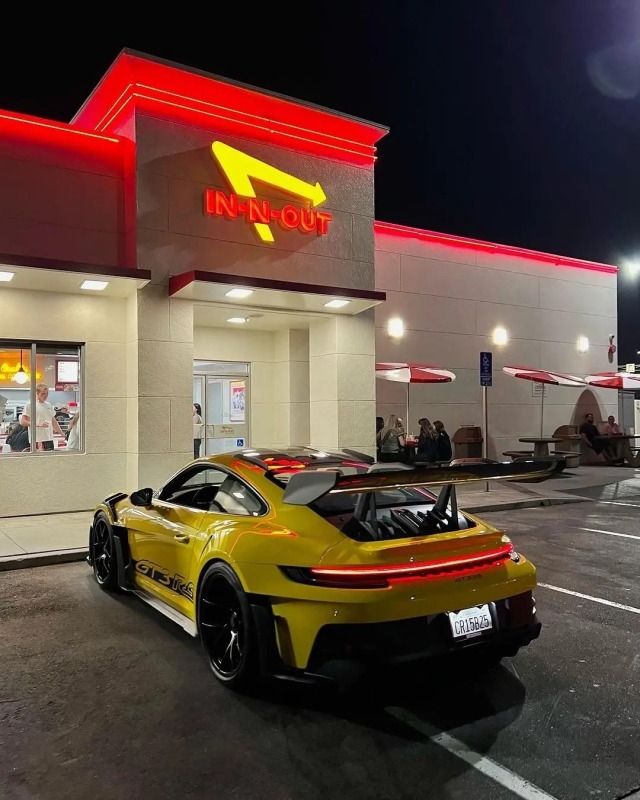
(162, 576)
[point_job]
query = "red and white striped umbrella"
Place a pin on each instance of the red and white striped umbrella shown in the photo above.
(412, 372)
(615, 380)
(543, 376)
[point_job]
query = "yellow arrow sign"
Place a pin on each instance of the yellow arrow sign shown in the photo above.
(240, 169)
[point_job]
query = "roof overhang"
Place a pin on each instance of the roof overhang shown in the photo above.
(50, 275)
(212, 287)
(139, 82)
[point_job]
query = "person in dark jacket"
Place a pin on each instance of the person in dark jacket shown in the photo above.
(427, 441)
(18, 438)
(443, 442)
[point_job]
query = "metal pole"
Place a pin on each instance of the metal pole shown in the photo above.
(542, 411)
(406, 421)
(485, 428)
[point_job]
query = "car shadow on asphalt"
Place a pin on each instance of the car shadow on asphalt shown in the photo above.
(417, 701)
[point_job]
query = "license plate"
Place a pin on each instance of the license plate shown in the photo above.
(470, 622)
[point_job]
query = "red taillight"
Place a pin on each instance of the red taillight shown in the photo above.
(381, 576)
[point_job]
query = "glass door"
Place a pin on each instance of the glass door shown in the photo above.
(224, 391)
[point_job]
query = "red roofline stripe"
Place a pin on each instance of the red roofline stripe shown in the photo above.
(180, 94)
(491, 248)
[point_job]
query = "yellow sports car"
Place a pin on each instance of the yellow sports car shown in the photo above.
(311, 565)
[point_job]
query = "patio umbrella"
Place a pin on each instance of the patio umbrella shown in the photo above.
(411, 372)
(543, 376)
(623, 381)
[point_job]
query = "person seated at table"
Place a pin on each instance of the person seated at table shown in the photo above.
(392, 439)
(620, 444)
(590, 436)
(612, 428)
(427, 441)
(443, 442)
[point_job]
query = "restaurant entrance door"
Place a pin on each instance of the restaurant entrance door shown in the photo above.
(222, 389)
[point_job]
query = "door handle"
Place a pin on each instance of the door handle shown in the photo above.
(181, 537)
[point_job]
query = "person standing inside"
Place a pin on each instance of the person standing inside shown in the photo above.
(198, 426)
(73, 432)
(46, 423)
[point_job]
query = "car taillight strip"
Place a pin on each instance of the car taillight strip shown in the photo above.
(416, 567)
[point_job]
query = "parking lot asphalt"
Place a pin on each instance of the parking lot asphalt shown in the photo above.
(102, 697)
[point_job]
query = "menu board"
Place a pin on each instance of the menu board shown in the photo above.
(67, 371)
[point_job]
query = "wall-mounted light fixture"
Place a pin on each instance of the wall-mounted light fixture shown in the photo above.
(500, 336)
(395, 328)
(582, 344)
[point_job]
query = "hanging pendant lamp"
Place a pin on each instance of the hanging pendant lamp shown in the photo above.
(21, 376)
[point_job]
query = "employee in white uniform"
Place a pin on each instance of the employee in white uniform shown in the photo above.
(46, 422)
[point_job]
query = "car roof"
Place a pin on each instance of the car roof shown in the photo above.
(293, 459)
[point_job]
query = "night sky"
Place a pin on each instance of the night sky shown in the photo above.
(516, 121)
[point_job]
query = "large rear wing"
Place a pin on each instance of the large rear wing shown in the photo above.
(308, 486)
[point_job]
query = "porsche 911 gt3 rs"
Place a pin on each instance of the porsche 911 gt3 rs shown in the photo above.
(298, 563)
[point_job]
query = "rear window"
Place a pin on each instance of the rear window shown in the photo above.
(399, 513)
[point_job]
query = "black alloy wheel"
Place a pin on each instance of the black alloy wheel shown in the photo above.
(103, 553)
(225, 626)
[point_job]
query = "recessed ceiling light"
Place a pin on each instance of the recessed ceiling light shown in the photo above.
(237, 320)
(94, 286)
(239, 294)
(337, 303)
(5, 277)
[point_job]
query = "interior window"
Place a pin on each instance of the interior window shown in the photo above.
(235, 497)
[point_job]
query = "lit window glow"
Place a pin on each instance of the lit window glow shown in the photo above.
(94, 286)
(583, 344)
(239, 294)
(500, 337)
(395, 327)
(5, 277)
(337, 303)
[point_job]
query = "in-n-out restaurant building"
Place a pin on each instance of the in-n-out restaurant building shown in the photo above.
(233, 257)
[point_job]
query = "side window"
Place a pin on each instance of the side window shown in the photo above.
(209, 489)
(194, 488)
(235, 497)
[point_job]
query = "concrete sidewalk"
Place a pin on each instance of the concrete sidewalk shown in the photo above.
(55, 538)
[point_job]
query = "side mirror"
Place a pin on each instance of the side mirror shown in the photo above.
(142, 497)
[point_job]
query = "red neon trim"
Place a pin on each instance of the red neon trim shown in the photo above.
(417, 567)
(17, 120)
(450, 240)
(178, 93)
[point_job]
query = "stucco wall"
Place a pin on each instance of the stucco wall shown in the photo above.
(175, 166)
(62, 201)
(451, 299)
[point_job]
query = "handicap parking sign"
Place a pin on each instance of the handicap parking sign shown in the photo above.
(239, 442)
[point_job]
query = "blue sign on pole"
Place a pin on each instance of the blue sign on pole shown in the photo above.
(486, 369)
(239, 442)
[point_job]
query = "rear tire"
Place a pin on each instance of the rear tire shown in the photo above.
(226, 628)
(103, 553)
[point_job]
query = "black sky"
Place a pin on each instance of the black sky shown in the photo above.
(516, 121)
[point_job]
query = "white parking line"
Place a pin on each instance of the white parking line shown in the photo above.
(601, 600)
(610, 533)
(505, 777)
(618, 503)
